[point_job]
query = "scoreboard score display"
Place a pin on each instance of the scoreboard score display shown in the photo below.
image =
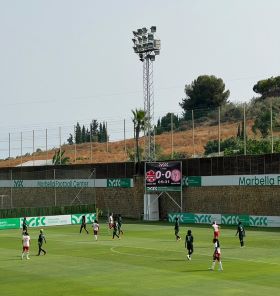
(163, 176)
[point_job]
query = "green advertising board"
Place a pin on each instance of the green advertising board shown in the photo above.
(191, 181)
(77, 218)
(204, 218)
(9, 223)
(258, 221)
(226, 219)
(194, 181)
(234, 219)
(123, 183)
(183, 217)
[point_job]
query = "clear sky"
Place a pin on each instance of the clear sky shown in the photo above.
(63, 61)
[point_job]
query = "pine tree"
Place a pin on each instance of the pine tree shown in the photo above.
(83, 134)
(78, 134)
(70, 140)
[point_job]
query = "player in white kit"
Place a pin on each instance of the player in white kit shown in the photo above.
(25, 245)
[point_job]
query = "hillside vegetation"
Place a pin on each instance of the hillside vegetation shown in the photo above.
(97, 152)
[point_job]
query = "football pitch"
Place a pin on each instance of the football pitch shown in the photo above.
(145, 261)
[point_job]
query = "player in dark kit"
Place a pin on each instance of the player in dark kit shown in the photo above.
(84, 224)
(115, 230)
(119, 220)
(241, 233)
(176, 228)
(24, 225)
(41, 240)
(189, 244)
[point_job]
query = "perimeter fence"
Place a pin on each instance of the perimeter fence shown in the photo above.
(233, 129)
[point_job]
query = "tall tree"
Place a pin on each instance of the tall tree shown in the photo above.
(268, 87)
(83, 140)
(94, 130)
(263, 123)
(164, 124)
(205, 92)
(78, 134)
(70, 140)
(139, 120)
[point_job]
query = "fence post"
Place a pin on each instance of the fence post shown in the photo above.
(11, 188)
(47, 147)
(54, 188)
(107, 139)
(172, 151)
(60, 145)
(90, 135)
(21, 149)
(193, 133)
(9, 150)
(124, 136)
(33, 144)
(245, 136)
(75, 144)
(219, 131)
(271, 127)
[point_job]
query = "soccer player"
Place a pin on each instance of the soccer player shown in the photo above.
(115, 230)
(25, 245)
(84, 224)
(241, 233)
(216, 255)
(41, 240)
(216, 228)
(189, 244)
(95, 226)
(119, 220)
(177, 229)
(111, 221)
(24, 225)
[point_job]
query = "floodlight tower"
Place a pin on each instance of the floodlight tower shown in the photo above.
(146, 46)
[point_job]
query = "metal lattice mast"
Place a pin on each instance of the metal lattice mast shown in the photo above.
(147, 47)
(148, 89)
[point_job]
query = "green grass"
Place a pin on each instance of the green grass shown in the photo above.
(146, 261)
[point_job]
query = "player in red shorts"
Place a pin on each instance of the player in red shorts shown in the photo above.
(216, 228)
(216, 255)
(25, 245)
(111, 221)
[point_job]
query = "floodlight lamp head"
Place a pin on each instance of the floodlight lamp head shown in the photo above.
(150, 36)
(150, 45)
(153, 29)
(144, 30)
(139, 31)
(134, 33)
(157, 44)
(134, 40)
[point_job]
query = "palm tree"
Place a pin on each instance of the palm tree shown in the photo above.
(59, 158)
(139, 120)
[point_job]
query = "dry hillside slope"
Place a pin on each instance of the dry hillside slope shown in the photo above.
(97, 152)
